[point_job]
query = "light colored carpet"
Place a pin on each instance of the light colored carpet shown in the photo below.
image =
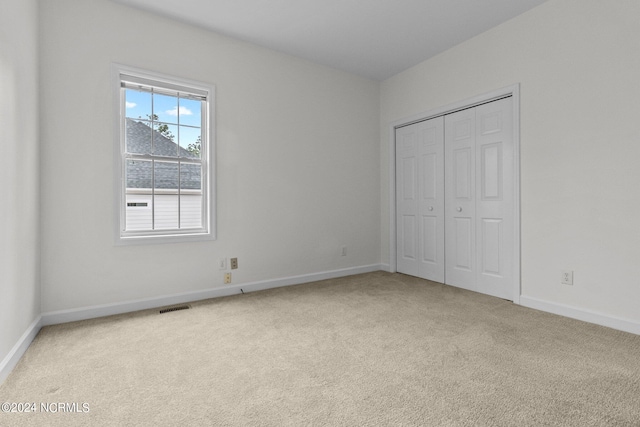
(376, 349)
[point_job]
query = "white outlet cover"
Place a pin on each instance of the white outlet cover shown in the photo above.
(566, 278)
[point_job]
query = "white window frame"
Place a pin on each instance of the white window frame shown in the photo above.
(122, 73)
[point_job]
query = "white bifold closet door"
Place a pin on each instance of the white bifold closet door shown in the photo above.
(420, 199)
(455, 199)
(479, 223)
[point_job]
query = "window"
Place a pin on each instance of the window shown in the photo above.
(164, 163)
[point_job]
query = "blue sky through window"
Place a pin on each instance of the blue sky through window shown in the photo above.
(170, 110)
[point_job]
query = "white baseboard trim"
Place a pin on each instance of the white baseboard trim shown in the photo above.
(582, 314)
(72, 315)
(18, 350)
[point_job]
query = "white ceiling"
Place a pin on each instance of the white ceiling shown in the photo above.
(372, 38)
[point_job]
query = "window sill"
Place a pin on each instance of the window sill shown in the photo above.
(162, 239)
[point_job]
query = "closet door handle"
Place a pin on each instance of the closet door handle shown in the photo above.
(430, 208)
(459, 209)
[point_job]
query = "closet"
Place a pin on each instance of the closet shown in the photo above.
(455, 199)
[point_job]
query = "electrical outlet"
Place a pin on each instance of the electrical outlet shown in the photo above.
(227, 277)
(344, 251)
(234, 263)
(222, 263)
(566, 277)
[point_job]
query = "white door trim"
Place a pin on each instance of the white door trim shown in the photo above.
(514, 92)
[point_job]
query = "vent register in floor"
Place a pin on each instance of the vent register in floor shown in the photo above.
(175, 308)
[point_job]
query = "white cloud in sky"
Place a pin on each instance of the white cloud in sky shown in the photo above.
(130, 104)
(184, 111)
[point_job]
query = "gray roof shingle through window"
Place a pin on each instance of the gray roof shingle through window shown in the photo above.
(138, 141)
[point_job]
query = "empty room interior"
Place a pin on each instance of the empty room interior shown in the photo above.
(379, 213)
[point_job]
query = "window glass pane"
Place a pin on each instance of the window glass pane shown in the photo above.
(190, 210)
(137, 104)
(138, 201)
(165, 108)
(138, 136)
(190, 196)
(190, 143)
(166, 211)
(166, 195)
(166, 176)
(139, 175)
(165, 139)
(190, 112)
(190, 177)
(138, 212)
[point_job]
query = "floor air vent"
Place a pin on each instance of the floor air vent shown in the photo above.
(176, 308)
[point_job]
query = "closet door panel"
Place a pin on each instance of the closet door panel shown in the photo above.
(460, 187)
(495, 201)
(421, 144)
(431, 205)
(407, 200)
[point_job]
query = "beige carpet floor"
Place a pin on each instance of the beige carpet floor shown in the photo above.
(377, 349)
